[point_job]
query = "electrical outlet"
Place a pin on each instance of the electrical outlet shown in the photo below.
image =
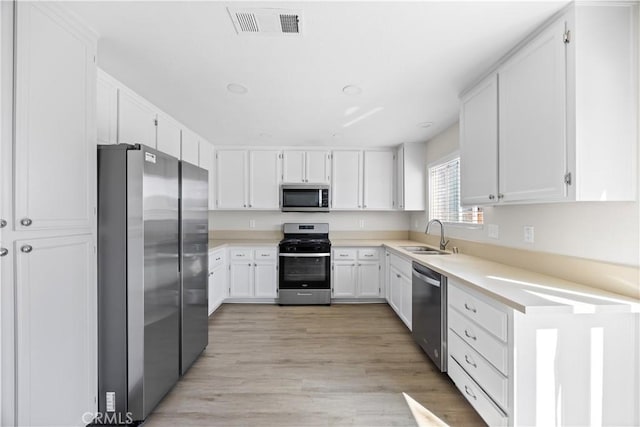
(528, 234)
(493, 231)
(252, 223)
(362, 223)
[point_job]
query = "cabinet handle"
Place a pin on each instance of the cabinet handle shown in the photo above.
(343, 255)
(468, 335)
(469, 361)
(469, 392)
(368, 255)
(470, 308)
(26, 222)
(250, 205)
(398, 276)
(26, 249)
(353, 265)
(218, 259)
(249, 264)
(4, 251)
(364, 206)
(491, 197)
(500, 196)
(3, 223)
(255, 265)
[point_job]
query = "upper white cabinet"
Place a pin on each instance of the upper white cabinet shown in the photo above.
(306, 166)
(479, 144)
(190, 147)
(264, 179)
(55, 134)
(107, 109)
(378, 180)
(169, 135)
(136, 120)
(410, 177)
(206, 160)
(346, 180)
(532, 118)
(247, 179)
(567, 114)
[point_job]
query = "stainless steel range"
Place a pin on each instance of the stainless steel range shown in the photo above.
(305, 265)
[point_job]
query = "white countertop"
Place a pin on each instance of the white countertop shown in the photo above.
(520, 289)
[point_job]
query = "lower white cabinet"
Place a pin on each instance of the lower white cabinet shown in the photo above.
(356, 273)
(542, 368)
(400, 292)
(218, 283)
(253, 273)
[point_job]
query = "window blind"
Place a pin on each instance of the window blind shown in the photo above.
(444, 195)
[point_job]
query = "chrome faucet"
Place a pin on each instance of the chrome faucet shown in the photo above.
(443, 244)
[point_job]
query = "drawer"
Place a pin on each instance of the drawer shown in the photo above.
(344, 254)
(480, 340)
(487, 316)
(493, 382)
(265, 254)
(368, 254)
(474, 394)
(236, 254)
(402, 265)
(216, 259)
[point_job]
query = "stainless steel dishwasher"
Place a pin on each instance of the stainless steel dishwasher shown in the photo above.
(429, 318)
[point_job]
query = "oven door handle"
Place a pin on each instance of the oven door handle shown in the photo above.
(305, 255)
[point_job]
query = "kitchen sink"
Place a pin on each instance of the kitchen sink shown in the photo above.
(425, 250)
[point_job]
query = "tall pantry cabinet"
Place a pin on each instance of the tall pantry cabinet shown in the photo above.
(48, 369)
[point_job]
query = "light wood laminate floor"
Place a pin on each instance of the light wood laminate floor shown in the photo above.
(339, 365)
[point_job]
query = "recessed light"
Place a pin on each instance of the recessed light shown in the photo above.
(425, 124)
(237, 88)
(352, 90)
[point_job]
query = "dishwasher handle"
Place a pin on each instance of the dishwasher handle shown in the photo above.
(426, 279)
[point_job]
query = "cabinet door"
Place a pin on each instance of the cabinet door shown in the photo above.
(395, 290)
(231, 177)
(265, 279)
(107, 110)
(136, 120)
(217, 287)
(55, 149)
(241, 279)
(169, 135)
(344, 279)
(317, 167)
(532, 118)
(378, 180)
(407, 300)
(346, 176)
(189, 151)
(264, 179)
(399, 196)
(293, 166)
(368, 279)
(56, 324)
(479, 144)
(206, 160)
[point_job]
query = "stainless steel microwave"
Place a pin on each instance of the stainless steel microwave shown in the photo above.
(304, 198)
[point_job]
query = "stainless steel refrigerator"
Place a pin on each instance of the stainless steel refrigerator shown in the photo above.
(194, 238)
(139, 281)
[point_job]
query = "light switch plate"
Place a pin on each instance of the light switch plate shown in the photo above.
(493, 231)
(362, 223)
(528, 234)
(252, 223)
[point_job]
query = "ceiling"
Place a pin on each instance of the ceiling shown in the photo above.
(410, 59)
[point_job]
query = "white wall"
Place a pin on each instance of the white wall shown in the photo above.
(605, 231)
(338, 221)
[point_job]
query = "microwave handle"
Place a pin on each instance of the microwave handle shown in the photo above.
(320, 198)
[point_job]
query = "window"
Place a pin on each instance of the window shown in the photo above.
(444, 195)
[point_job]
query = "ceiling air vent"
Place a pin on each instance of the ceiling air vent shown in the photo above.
(266, 21)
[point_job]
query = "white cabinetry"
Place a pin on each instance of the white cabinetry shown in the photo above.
(47, 198)
(306, 166)
(248, 179)
(479, 144)
(567, 126)
(410, 177)
(190, 147)
(218, 283)
(107, 109)
(356, 273)
(206, 160)
(346, 180)
(169, 135)
(378, 180)
(400, 292)
(253, 273)
(137, 119)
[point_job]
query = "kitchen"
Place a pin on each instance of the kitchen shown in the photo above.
(434, 90)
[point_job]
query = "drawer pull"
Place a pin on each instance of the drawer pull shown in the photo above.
(343, 255)
(469, 392)
(240, 255)
(470, 361)
(218, 259)
(264, 254)
(368, 255)
(470, 308)
(468, 335)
